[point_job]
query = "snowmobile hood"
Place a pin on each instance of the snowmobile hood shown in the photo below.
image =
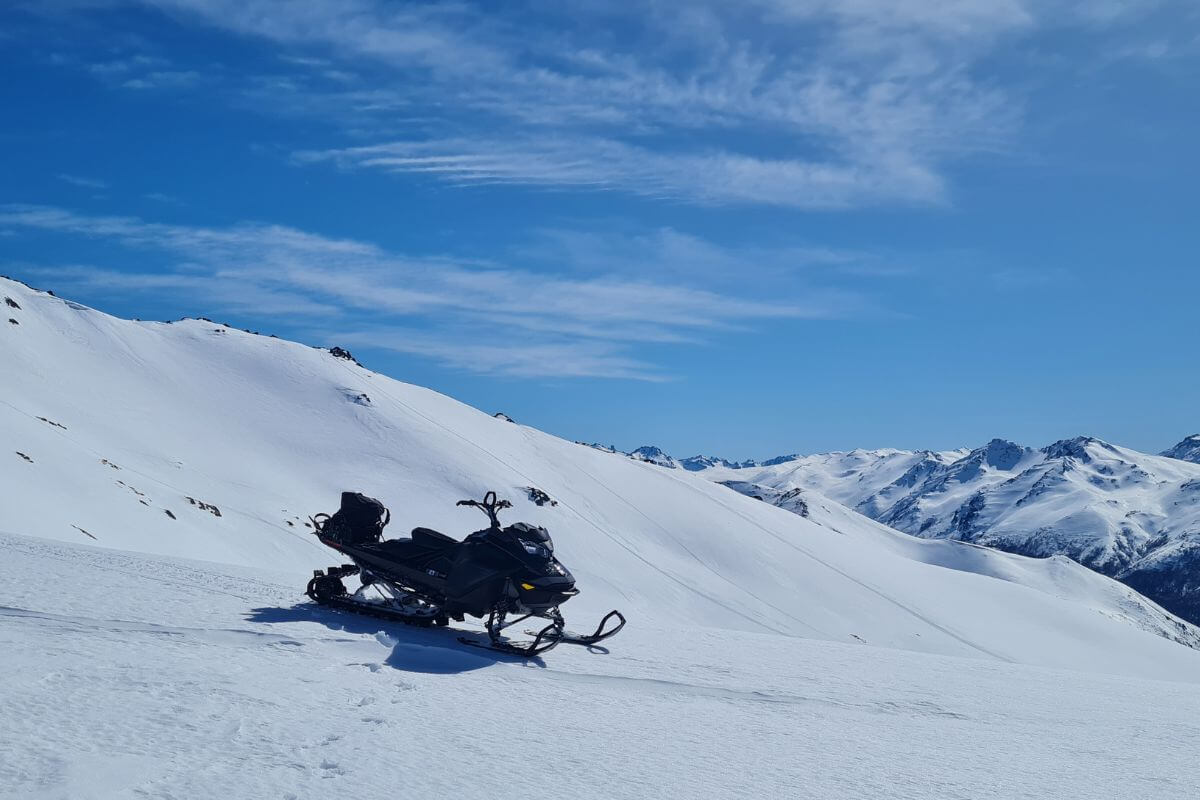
(534, 534)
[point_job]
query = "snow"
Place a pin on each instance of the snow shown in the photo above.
(146, 676)
(828, 656)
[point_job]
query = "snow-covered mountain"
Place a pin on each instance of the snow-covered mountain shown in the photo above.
(653, 455)
(157, 482)
(1187, 450)
(1129, 515)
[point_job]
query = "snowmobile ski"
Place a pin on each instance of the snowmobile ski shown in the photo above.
(570, 637)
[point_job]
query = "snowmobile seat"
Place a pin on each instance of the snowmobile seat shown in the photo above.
(434, 540)
(425, 543)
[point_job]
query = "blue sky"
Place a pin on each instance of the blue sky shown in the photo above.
(741, 229)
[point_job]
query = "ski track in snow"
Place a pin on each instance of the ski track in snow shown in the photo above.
(115, 688)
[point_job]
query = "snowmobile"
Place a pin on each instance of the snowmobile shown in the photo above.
(507, 574)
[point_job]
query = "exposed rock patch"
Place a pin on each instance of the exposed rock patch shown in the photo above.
(209, 507)
(540, 498)
(344, 354)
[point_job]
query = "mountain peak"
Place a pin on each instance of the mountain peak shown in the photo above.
(697, 463)
(1187, 450)
(1003, 454)
(1076, 448)
(653, 455)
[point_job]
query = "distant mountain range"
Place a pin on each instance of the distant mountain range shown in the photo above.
(1130, 515)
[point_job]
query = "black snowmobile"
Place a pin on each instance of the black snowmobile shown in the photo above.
(430, 578)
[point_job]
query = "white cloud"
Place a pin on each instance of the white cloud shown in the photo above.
(716, 177)
(164, 79)
(805, 103)
(591, 309)
(801, 103)
(82, 182)
(516, 359)
(710, 177)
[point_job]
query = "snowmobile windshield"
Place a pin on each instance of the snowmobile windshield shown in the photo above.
(535, 539)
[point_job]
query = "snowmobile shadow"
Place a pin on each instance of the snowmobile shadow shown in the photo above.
(428, 650)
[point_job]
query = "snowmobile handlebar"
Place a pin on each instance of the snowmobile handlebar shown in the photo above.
(490, 506)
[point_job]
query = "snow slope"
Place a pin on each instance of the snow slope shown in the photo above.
(1130, 515)
(151, 677)
(124, 422)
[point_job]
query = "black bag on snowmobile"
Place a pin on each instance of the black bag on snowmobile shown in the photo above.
(360, 519)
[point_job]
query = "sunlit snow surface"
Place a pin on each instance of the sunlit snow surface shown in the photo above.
(131, 676)
(766, 655)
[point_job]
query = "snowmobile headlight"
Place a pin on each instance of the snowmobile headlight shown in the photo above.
(535, 548)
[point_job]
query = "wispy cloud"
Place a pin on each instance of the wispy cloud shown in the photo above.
(803, 103)
(164, 79)
(162, 197)
(568, 316)
(85, 183)
(714, 177)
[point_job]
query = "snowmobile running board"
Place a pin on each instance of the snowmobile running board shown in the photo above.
(321, 590)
